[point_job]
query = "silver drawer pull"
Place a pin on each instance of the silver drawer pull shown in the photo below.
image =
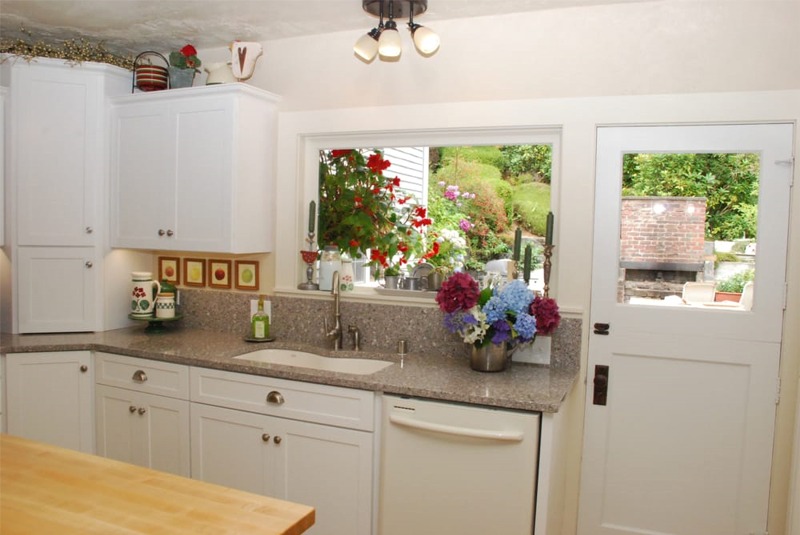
(139, 376)
(275, 397)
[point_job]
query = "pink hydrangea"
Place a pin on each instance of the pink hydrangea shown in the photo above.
(545, 310)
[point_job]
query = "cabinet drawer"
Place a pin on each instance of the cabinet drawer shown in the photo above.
(331, 405)
(142, 375)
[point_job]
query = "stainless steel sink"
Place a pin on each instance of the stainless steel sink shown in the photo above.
(301, 359)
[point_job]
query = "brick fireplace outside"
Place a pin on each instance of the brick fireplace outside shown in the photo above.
(662, 245)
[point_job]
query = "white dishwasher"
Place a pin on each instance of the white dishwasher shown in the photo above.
(448, 468)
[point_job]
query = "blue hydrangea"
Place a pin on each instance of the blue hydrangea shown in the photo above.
(516, 296)
(495, 309)
(525, 325)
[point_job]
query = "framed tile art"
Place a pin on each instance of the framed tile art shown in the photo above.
(246, 275)
(194, 272)
(219, 273)
(169, 268)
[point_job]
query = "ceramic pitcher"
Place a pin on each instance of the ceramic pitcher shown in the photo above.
(143, 293)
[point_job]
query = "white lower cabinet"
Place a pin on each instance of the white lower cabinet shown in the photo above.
(142, 412)
(143, 429)
(49, 398)
(267, 450)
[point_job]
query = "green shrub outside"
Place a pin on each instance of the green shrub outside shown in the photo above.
(530, 202)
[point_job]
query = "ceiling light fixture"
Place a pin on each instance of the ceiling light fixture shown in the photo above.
(384, 40)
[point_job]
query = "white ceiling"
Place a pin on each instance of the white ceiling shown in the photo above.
(132, 26)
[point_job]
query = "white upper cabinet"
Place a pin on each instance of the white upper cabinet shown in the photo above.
(59, 140)
(193, 169)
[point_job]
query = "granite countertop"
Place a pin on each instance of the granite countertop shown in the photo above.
(528, 387)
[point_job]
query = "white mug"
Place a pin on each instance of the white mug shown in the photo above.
(143, 293)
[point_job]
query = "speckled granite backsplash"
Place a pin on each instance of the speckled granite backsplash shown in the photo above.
(381, 326)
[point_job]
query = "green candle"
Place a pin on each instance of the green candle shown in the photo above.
(526, 271)
(548, 236)
(312, 212)
(517, 243)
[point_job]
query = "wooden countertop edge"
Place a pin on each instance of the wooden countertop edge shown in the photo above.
(47, 489)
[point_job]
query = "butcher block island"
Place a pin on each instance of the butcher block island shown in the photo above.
(46, 489)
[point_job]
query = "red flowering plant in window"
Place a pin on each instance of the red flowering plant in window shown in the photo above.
(361, 209)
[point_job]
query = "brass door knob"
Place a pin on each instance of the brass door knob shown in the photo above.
(142, 410)
(84, 368)
(265, 437)
(132, 409)
(277, 440)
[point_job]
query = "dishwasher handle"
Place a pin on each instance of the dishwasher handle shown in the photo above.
(504, 436)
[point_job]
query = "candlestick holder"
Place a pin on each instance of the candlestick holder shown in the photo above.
(548, 252)
(309, 257)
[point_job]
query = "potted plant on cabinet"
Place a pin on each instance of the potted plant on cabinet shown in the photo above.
(183, 64)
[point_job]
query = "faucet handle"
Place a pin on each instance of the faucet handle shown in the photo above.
(353, 330)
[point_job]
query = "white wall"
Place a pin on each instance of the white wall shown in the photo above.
(567, 71)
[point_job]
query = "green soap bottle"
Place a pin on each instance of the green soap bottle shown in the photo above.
(260, 322)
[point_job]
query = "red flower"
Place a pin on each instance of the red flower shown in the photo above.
(338, 153)
(189, 51)
(434, 250)
(458, 292)
(354, 243)
(377, 164)
(545, 310)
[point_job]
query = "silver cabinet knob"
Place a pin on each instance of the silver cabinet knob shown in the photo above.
(275, 397)
(170, 233)
(89, 264)
(265, 437)
(89, 230)
(139, 376)
(84, 368)
(131, 409)
(142, 410)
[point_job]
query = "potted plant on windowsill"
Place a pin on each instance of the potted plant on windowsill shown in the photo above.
(362, 210)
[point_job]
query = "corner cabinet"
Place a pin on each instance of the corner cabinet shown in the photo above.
(193, 169)
(56, 163)
(49, 398)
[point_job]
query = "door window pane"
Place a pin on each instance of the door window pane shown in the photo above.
(688, 227)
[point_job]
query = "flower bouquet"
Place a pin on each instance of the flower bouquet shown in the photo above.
(498, 314)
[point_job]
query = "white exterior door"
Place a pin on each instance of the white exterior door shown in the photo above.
(683, 443)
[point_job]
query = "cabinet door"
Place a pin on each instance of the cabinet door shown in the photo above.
(203, 171)
(330, 469)
(143, 429)
(49, 398)
(57, 117)
(58, 289)
(142, 176)
(232, 448)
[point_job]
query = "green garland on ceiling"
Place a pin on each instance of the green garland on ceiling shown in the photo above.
(73, 50)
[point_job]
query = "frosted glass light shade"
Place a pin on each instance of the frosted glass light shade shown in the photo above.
(426, 40)
(366, 47)
(389, 45)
